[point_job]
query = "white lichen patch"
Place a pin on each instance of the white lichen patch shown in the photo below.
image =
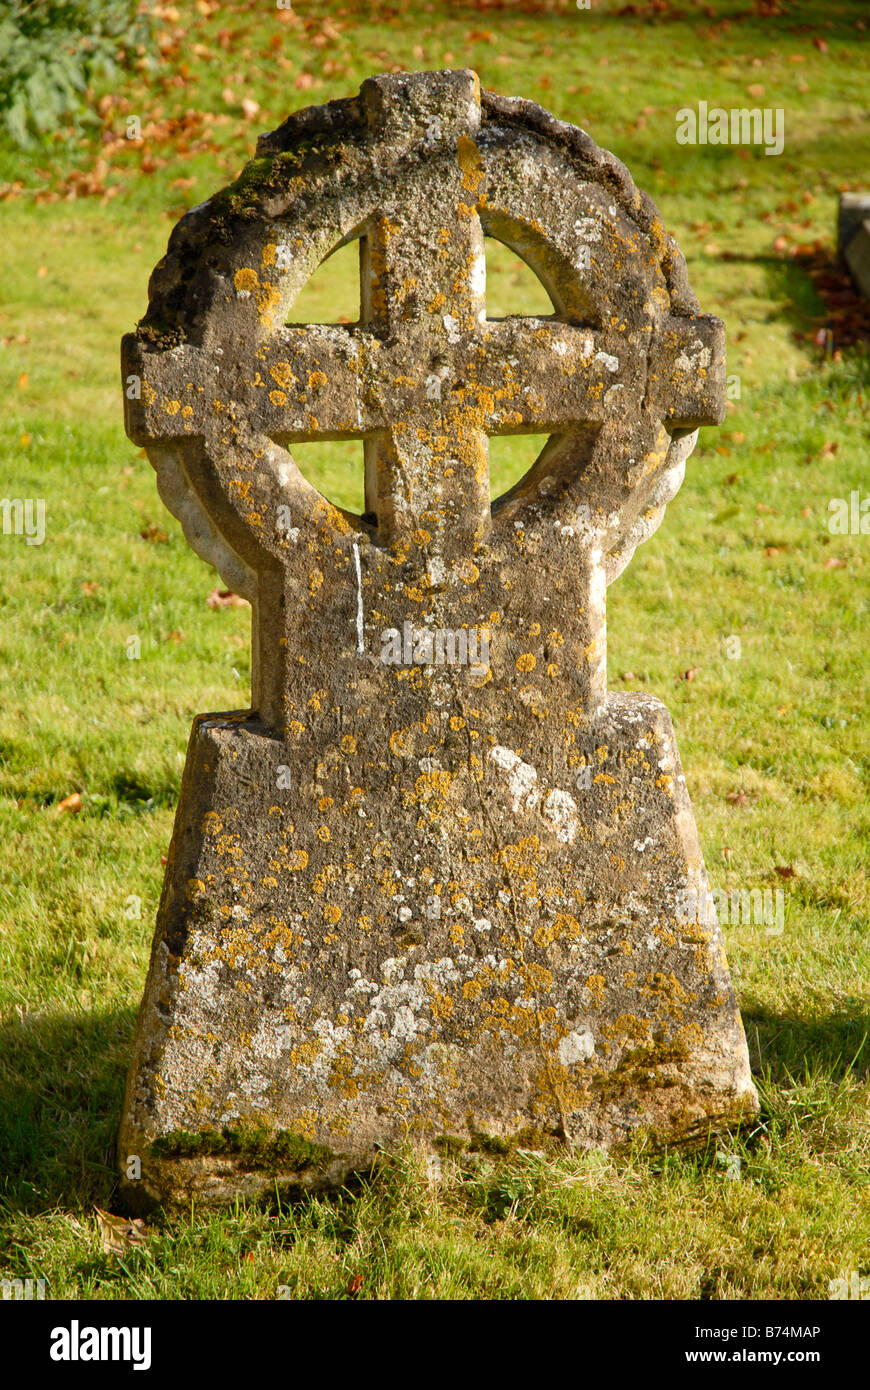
(522, 778)
(576, 1047)
(560, 810)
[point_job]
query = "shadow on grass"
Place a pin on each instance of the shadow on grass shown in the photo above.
(830, 1047)
(61, 1089)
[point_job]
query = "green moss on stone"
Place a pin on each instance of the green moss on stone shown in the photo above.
(254, 1147)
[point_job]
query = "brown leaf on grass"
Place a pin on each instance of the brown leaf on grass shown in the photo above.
(736, 798)
(90, 587)
(73, 802)
(786, 870)
(153, 533)
(22, 382)
(687, 675)
(354, 1285)
(820, 45)
(771, 550)
(250, 108)
(834, 562)
(225, 598)
(117, 1234)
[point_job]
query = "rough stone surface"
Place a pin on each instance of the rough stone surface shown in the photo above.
(412, 898)
(853, 235)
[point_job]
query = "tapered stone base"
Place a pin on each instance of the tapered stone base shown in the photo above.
(512, 967)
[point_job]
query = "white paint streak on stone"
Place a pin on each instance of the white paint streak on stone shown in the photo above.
(360, 619)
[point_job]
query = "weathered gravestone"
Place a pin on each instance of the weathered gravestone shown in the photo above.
(431, 887)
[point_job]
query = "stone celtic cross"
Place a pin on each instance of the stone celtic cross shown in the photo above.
(428, 887)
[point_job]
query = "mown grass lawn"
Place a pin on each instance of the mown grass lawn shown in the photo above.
(774, 741)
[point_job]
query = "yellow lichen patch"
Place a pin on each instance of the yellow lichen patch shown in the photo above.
(268, 302)
(526, 662)
(306, 1052)
(471, 989)
(315, 580)
(297, 859)
(537, 977)
(441, 1005)
(348, 745)
(331, 913)
(470, 162)
(324, 833)
(522, 858)
(268, 253)
(433, 784)
(467, 571)
(277, 398)
(283, 375)
(401, 743)
(171, 407)
(212, 823)
(628, 1026)
(596, 986)
(316, 379)
(246, 280)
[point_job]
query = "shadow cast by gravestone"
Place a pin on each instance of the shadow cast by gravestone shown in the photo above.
(833, 1045)
(61, 1084)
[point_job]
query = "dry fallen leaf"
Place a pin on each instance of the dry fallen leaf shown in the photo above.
(786, 870)
(153, 533)
(250, 108)
(736, 798)
(117, 1234)
(225, 598)
(90, 587)
(355, 1285)
(73, 802)
(834, 562)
